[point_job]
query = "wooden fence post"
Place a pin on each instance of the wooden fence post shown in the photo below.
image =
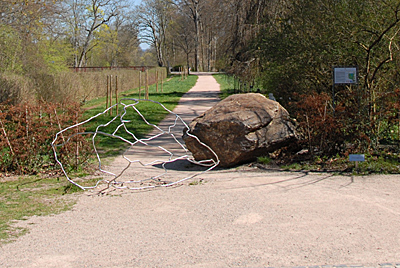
(182, 73)
(110, 94)
(147, 85)
(77, 141)
(157, 81)
(108, 78)
(140, 82)
(162, 81)
(116, 92)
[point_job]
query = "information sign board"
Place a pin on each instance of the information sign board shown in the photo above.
(345, 75)
(356, 158)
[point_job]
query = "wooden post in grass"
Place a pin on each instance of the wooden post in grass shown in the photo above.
(147, 85)
(110, 94)
(162, 83)
(157, 81)
(108, 81)
(77, 141)
(140, 83)
(182, 73)
(116, 92)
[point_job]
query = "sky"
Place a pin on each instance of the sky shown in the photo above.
(135, 2)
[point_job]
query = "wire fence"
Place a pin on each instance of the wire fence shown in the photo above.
(158, 151)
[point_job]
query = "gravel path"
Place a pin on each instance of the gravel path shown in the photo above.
(241, 217)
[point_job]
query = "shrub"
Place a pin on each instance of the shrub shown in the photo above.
(76, 86)
(27, 131)
(15, 88)
(355, 126)
(322, 132)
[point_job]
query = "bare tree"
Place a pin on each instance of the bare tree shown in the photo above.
(192, 9)
(99, 13)
(154, 17)
(128, 41)
(182, 36)
(84, 18)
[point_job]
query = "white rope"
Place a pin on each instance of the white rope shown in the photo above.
(141, 183)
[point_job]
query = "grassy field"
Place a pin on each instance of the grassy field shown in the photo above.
(25, 196)
(226, 83)
(172, 91)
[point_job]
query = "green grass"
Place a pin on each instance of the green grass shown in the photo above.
(197, 182)
(264, 160)
(24, 197)
(384, 163)
(27, 196)
(226, 83)
(378, 164)
(173, 90)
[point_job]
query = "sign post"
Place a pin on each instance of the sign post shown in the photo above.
(343, 76)
(356, 158)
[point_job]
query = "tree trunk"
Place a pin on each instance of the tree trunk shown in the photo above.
(197, 37)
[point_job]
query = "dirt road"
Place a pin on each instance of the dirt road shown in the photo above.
(241, 217)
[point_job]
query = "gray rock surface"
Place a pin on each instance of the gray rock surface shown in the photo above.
(240, 128)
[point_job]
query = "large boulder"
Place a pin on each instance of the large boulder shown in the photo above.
(241, 128)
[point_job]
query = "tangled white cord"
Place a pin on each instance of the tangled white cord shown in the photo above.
(149, 181)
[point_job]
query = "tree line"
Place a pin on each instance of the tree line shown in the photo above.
(52, 35)
(293, 53)
(284, 47)
(289, 48)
